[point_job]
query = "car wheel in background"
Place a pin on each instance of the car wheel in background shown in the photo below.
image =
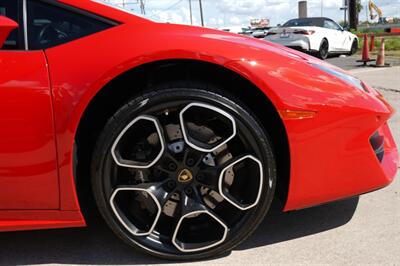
(323, 51)
(183, 174)
(354, 47)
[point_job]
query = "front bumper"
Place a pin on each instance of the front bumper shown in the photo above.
(385, 150)
(350, 153)
(331, 156)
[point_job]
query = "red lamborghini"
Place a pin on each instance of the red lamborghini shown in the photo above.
(184, 134)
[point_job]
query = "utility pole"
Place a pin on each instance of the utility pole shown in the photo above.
(344, 8)
(322, 8)
(142, 7)
(191, 14)
(201, 13)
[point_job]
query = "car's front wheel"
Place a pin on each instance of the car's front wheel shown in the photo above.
(183, 173)
(354, 47)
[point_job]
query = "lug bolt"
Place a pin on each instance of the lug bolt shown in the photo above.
(172, 166)
(201, 177)
(190, 162)
(189, 191)
(171, 184)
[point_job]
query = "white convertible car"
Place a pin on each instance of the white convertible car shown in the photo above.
(318, 36)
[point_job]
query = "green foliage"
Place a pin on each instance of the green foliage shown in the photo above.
(343, 24)
(359, 6)
(367, 30)
(391, 43)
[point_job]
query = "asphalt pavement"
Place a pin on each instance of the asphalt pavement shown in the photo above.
(349, 62)
(358, 231)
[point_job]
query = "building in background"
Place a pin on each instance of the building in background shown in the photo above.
(302, 9)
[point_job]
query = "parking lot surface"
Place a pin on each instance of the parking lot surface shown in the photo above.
(358, 231)
(349, 62)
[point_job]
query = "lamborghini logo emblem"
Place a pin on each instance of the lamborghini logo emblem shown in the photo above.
(185, 176)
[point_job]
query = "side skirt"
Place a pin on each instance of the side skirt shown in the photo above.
(19, 220)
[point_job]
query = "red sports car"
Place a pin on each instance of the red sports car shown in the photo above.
(184, 134)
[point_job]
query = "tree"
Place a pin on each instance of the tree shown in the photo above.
(359, 6)
(355, 7)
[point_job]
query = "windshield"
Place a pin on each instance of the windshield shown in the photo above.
(304, 22)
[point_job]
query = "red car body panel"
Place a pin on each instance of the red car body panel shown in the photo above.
(64, 85)
(28, 167)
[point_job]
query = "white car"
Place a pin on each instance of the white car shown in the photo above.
(318, 36)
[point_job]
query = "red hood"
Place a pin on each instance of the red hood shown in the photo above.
(203, 41)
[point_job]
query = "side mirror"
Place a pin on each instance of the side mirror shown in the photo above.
(6, 27)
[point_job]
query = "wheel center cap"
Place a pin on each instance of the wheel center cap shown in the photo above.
(185, 176)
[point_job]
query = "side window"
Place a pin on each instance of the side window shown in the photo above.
(331, 25)
(9, 8)
(337, 26)
(50, 25)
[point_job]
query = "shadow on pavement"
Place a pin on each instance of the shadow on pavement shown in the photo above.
(278, 226)
(97, 245)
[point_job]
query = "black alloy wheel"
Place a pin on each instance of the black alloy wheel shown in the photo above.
(354, 47)
(184, 173)
(323, 50)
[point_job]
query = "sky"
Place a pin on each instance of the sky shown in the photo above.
(229, 13)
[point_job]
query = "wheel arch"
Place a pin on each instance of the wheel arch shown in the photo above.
(144, 77)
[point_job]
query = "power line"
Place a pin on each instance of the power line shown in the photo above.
(166, 9)
(322, 8)
(142, 7)
(201, 13)
(191, 14)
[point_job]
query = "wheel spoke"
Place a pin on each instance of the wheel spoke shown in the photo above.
(158, 195)
(189, 205)
(210, 176)
(253, 173)
(157, 190)
(121, 155)
(193, 209)
(191, 129)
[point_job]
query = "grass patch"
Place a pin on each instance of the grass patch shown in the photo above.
(391, 43)
(368, 30)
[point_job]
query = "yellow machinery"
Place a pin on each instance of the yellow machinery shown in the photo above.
(373, 7)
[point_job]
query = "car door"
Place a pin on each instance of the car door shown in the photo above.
(333, 35)
(341, 38)
(346, 41)
(344, 38)
(28, 164)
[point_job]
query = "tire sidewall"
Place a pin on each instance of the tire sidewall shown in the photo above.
(321, 53)
(354, 47)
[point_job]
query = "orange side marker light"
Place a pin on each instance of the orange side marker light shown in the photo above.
(292, 114)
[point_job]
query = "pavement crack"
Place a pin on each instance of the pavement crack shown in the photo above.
(386, 89)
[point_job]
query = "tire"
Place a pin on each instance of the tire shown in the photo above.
(133, 201)
(354, 47)
(323, 51)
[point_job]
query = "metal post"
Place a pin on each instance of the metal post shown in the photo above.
(344, 8)
(201, 13)
(142, 8)
(191, 14)
(322, 8)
